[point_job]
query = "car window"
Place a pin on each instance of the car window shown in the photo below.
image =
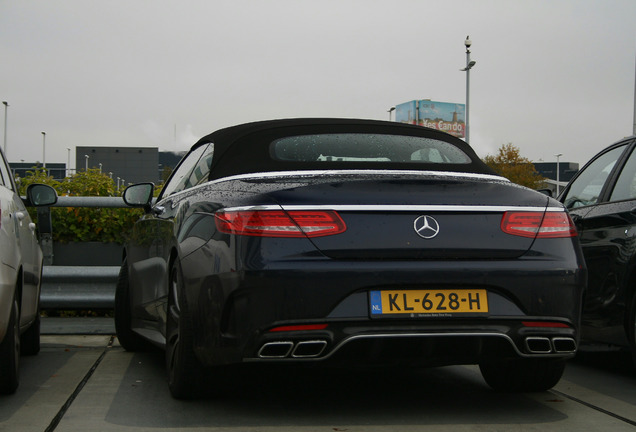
(625, 187)
(348, 147)
(586, 188)
(193, 170)
(5, 178)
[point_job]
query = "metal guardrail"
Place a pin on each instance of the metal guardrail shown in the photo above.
(76, 287)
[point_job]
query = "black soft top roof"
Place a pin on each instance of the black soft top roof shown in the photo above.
(244, 148)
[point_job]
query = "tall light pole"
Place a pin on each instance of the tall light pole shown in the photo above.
(44, 150)
(390, 110)
(633, 130)
(469, 65)
(558, 190)
(6, 108)
(68, 161)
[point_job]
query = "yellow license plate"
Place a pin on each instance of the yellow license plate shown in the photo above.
(428, 302)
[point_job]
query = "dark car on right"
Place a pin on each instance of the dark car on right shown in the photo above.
(601, 199)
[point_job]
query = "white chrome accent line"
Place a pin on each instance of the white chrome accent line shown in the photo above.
(313, 173)
(399, 208)
(326, 173)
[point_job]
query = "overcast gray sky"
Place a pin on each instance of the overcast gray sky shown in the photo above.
(553, 76)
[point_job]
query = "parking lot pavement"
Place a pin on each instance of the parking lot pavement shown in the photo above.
(48, 380)
(89, 383)
(78, 326)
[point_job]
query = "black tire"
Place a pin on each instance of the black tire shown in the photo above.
(10, 354)
(523, 375)
(30, 339)
(185, 372)
(631, 327)
(128, 339)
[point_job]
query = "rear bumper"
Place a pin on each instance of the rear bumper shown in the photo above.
(432, 344)
(234, 312)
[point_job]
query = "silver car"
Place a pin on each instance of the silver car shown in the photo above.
(20, 276)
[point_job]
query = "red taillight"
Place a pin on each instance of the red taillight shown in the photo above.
(278, 223)
(302, 327)
(544, 324)
(538, 224)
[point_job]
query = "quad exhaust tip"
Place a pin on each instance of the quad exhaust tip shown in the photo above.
(564, 344)
(544, 345)
(285, 349)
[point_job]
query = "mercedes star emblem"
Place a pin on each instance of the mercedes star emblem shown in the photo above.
(426, 226)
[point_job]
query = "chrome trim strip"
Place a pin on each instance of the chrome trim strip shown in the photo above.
(399, 208)
(313, 173)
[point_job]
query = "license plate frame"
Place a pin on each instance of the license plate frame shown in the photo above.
(430, 302)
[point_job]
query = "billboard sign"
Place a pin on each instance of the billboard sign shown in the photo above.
(445, 116)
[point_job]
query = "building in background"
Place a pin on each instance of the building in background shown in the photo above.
(125, 165)
(445, 116)
(567, 170)
(55, 170)
(167, 163)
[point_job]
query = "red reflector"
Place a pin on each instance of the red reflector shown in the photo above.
(538, 224)
(278, 223)
(299, 327)
(544, 324)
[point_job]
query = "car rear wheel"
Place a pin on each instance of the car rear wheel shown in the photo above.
(10, 354)
(30, 339)
(523, 375)
(128, 339)
(185, 372)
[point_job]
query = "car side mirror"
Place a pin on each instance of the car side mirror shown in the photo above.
(41, 195)
(139, 195)
(547, 192)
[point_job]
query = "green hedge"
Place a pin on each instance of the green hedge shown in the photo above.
(79, 224)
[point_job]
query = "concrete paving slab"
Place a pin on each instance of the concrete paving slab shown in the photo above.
(124, 391)
(77, 325)
(47, 380)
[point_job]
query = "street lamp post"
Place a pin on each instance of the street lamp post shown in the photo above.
(44, 150)
(6, 108)
(469, 65)
(390, 110)
(68, 162)
(558, 172)
(86, 166)
(634, 128)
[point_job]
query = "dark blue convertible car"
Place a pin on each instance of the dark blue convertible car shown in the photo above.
(357, 242)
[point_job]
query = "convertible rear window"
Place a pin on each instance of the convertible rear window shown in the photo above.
(358, 147)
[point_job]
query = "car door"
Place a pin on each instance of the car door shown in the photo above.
(152, 239)
(19, 243)
(602, 201)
